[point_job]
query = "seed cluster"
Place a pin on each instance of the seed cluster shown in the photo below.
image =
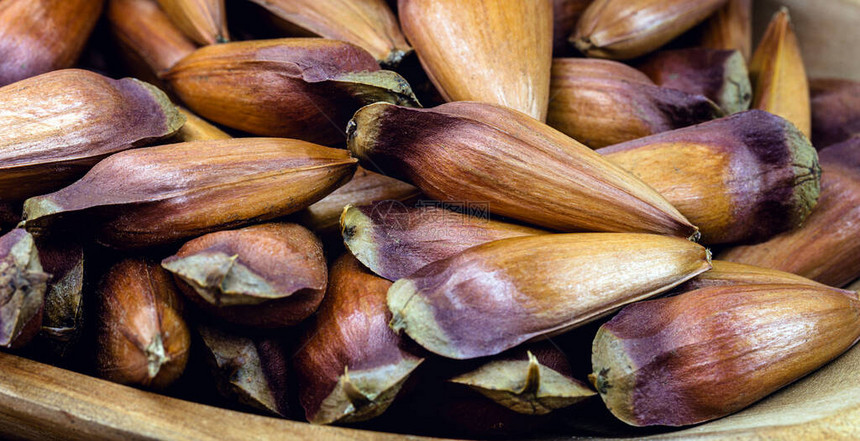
(443, 217)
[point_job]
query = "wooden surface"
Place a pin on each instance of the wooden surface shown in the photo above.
(41, 402)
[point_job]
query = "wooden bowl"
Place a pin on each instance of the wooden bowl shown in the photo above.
(41, 402)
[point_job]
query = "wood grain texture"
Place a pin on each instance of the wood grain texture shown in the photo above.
(41, 402)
